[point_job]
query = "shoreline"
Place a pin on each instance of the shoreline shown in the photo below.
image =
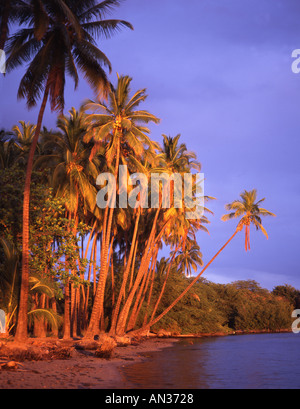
(226, 334)
(83, 370)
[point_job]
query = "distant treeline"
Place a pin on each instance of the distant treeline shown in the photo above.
(240, 306)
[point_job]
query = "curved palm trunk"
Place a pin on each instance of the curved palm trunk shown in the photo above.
(144, 263)
(99, 297)
(164, 285)
(74, 293)
(151, 290)
(126, 274)
(21, 333)
(135, 309)
(133, 265)
(89, 239)
(92, 258)
(94, 269)
(113, 295)
(141, 295)
(153, 322)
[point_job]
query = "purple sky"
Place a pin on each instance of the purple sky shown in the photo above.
(218, 72)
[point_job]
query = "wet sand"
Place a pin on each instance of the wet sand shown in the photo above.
(82, 370)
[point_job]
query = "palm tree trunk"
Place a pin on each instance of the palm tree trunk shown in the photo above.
(113, 295)
(141, 296)
(21, 332)
(85, 312)
(120, 328)
(39, 322)
(67, 320)
(89, 240)
(126, 274)
(151, 289)
(164, 285)
(189, 286)
(133, 265)
(144, 263)
(54, 308)
(73, 289)
(247, 237)
(81, 309)
(139, 303)
(99, 297)
(94, 268)
(73, 309)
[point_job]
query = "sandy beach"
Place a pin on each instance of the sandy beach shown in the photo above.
(82, 371)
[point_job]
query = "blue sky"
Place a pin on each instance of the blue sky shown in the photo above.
(218, 72)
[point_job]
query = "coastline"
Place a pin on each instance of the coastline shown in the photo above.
(238, 332)
(83, 370)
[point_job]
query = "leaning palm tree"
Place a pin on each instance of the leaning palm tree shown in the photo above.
(121, 126)
(58, 41)
(251, 212)
(172, 226)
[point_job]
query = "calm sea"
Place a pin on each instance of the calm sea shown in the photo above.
(268, 361)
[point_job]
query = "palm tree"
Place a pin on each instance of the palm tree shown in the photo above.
(8, 151)
(173, 158)
(9, 288)
(73, 176)
(9, 280)
(189, 257)
(121, 125)
(247, 210)
(24, 137)
(143, 220)
(73, 172)
(23, 11)
(176, 157)
(59, 40)
(10, 12)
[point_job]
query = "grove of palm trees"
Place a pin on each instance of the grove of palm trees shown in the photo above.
(70, 269)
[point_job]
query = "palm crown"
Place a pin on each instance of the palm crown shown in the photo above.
(120, 123)
(250, 212)
(59, 40)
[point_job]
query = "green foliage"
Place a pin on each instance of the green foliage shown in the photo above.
(54, 256)
(289, 293)
(9, 278)
(54, 247)
(210, 307)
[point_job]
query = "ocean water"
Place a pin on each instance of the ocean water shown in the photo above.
(264, 361)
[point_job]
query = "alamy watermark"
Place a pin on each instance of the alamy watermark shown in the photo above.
(295, 326)
(296, 62)
(166, 190)
(2, 62)
(2, 322)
